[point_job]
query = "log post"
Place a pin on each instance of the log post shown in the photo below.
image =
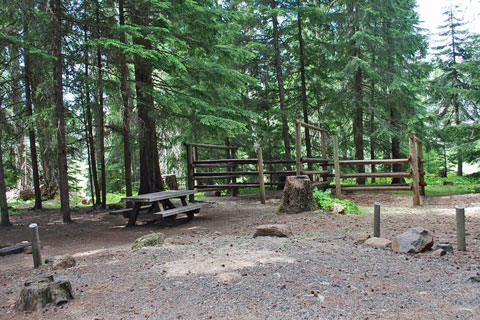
(376, 220)
(229, 169)
(323, 137)
(261, 180)
(336, 161)
(460, 219)
(415, 178)
(190, 172)
(298, 146)
(421, 169)
(37, 258)
(234, 168)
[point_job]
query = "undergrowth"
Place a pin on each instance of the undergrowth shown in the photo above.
(325, 201)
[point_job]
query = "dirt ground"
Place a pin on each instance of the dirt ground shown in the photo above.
(212, 268)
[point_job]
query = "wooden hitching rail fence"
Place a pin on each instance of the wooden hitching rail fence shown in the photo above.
(230, 164)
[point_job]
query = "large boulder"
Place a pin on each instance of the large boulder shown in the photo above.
(61, 262)
(414, 240)
(297, 195)
(42, 291)
(26, 194)
(149, 240)
(273, 230)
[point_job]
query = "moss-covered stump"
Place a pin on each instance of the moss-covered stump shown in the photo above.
(42, 291)
(297, 195)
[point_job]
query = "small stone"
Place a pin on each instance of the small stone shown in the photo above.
(149, 240)
(439, 252)
(61, 262)
(338, 208)
(474, 279)
(229, 276)
(445, 246)
(380, 243)
(362, 238)
(273, 230)
(414, 240)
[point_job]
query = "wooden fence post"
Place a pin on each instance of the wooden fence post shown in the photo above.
(229, 169)
(261, 180)
(323, 137)
(298, 146)
(37, 259)
(234, 168)
(414, 165)
(460, 219)
(376, 219)
(338, 187)
(421, 169)
(190, 172)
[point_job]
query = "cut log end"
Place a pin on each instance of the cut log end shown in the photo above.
(297, 195)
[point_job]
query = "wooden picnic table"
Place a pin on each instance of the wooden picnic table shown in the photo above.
(160, 205)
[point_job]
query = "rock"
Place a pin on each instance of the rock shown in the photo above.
(229, 276)
(445, 246)
(474, 279)
(362, 238)
(170, 181)
(61, 262)
(42, 291)
(87, 201)
(338, 208)
(149, 240)
(380, 243)
(414, 240)
(26, 194)
(439, 252)
(273, 230)
(297, 195)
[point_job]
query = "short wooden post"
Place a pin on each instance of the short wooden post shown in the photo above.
(229, 169)
(190, 172)
(376, 219)
(37, 258)
(336, 161)
(298, 146)
(260, 176)
(415, 178)
(460, 217)
(323, 137)
(421, 169)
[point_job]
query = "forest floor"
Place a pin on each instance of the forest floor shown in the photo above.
(212, 268)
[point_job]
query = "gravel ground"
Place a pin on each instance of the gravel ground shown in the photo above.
(212, 268)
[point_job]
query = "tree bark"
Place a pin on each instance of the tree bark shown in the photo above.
(358, 99)
(281, 87)
(100, 115)
(91, 143)
(301, 59)
(31, 131)
(5, 218)
(125, 88)
(150, 177)
(396, 149)
(56, 9)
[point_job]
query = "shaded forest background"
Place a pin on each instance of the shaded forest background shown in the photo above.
(109, 90)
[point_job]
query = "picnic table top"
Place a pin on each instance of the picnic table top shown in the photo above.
(157, 196)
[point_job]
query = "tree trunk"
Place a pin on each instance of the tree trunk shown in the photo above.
(100, 115)
(56, 9)
(5, 219)
(457, 122)
(93, 159)
(150, 177)
(124, 75)
(301, 58)
(358, 90)
(372, 145)
(281, 87)
(31, 131)
(396, 150)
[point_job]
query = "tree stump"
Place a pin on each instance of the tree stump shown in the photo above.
(297, 195)
(40, 292)
(170, 181)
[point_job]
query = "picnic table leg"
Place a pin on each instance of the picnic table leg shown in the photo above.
(190, 215)
(167, 204)
(134, 214)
